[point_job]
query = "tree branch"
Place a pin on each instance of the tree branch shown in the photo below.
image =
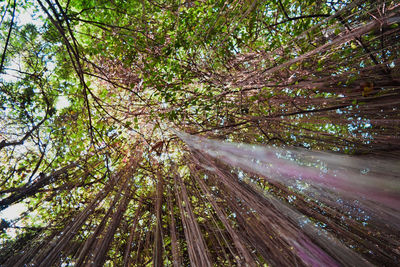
(297, 18)
(3, 57)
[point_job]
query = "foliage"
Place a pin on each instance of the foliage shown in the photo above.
(107, 165)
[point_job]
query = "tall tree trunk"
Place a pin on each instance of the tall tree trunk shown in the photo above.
(101, 253)
(158, 248)
(176, 260)
(242, 249)
(132, 234)
(198, 252)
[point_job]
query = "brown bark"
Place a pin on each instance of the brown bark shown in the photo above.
(158, 243)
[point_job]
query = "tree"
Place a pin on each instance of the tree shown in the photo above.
(112, 178)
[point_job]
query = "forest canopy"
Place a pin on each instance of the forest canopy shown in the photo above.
(122, 123)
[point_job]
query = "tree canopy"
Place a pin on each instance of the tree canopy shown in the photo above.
(113, 115)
